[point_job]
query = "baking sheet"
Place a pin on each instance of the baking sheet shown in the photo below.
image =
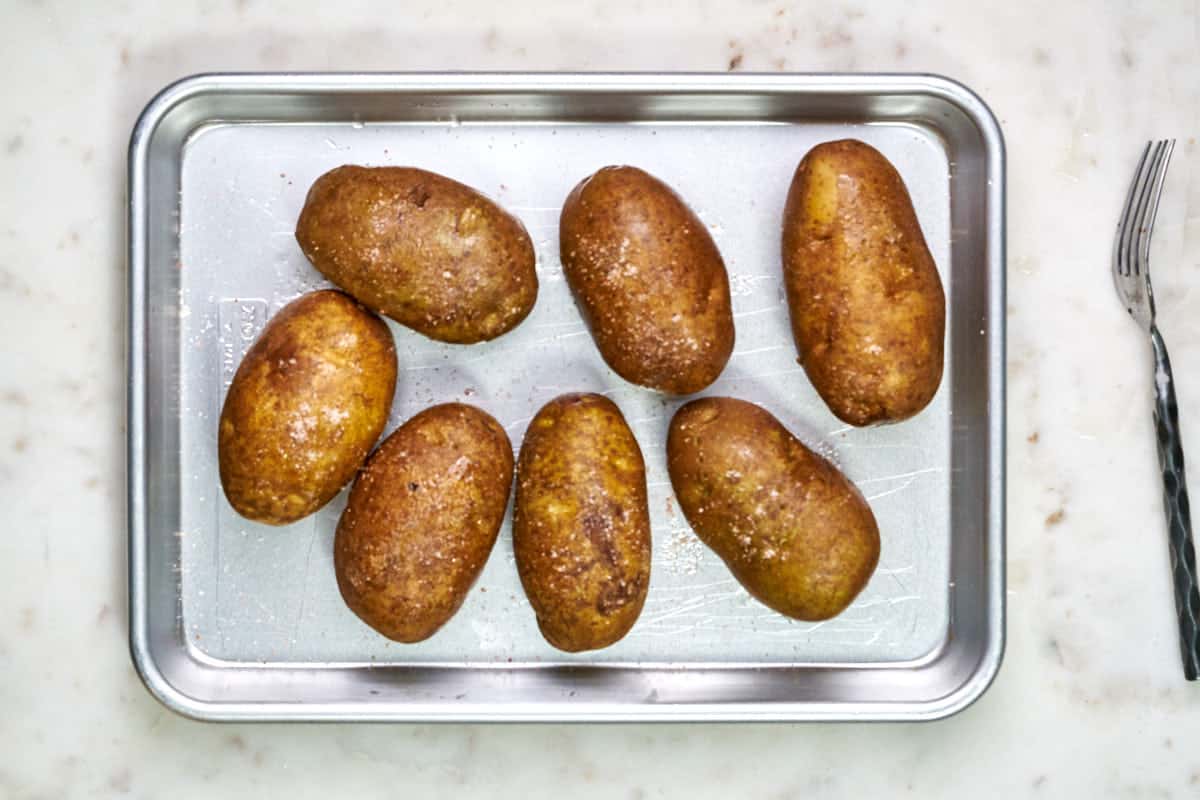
(257, 594)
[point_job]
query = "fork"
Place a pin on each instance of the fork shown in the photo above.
(1131, 274)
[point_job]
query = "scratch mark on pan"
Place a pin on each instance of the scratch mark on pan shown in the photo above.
(698, 586)
(692, 605)
(890, 601)
(264, 209)
(303, 591)
(557, 388)
(899, 488)
(770, 349)
(912, 474)
(777, 373)
(768, 310)
(558, 338)
(572, 324)
(443, 364)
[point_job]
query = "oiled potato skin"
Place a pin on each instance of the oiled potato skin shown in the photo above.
(867, 306)
(427, 251)
(421, 520)
(306, 405)
(649, 280)
(581, 524)
(792, 529)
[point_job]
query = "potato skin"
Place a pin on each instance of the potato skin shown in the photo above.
(791, 528)
(421, 520)
(306, 405)
(581, 522)
(649, 280)
(867, 306)
(427, 251)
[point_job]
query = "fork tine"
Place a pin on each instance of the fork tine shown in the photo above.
(1154, 186)
(1138, 213)
(1124, 225)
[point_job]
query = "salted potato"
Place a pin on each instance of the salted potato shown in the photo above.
(581, 524)
(306, 405)
(649, 280)
(427, 251)
(421, 520)
(791, 528)
(867, 307)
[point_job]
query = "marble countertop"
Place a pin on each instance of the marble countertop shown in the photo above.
(1090, 700)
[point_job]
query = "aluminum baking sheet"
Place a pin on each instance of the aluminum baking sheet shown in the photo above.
(249, 597)
(256, 593)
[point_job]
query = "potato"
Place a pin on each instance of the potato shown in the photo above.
(649, 280)
(421, 520)
(792, 529)
(429, 252)
(306, 405)
(581, 524)
(867, 308)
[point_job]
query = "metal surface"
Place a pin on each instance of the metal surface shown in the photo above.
(234, 620)
(1131, 275)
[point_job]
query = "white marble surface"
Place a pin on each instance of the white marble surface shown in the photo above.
(1090, 701)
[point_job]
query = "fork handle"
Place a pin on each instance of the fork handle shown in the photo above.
(1175, 503)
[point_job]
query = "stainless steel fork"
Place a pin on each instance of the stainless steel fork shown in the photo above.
(1131, 274)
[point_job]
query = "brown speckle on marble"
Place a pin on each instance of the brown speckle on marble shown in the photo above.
(14, 144)
(1055, 518)
(1041, 57)
(124, 56)
(835, 38)
(236, 742)
(20, 444)
(28, 618)
(735, 62)
(1033, 437)
(10, 282)
(121, 781)
(780, 63)
(1126, 58)
(14, 398)
(259, 758)
(779, 12)
(490, 38)
(901, 50)
(1167, 743)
